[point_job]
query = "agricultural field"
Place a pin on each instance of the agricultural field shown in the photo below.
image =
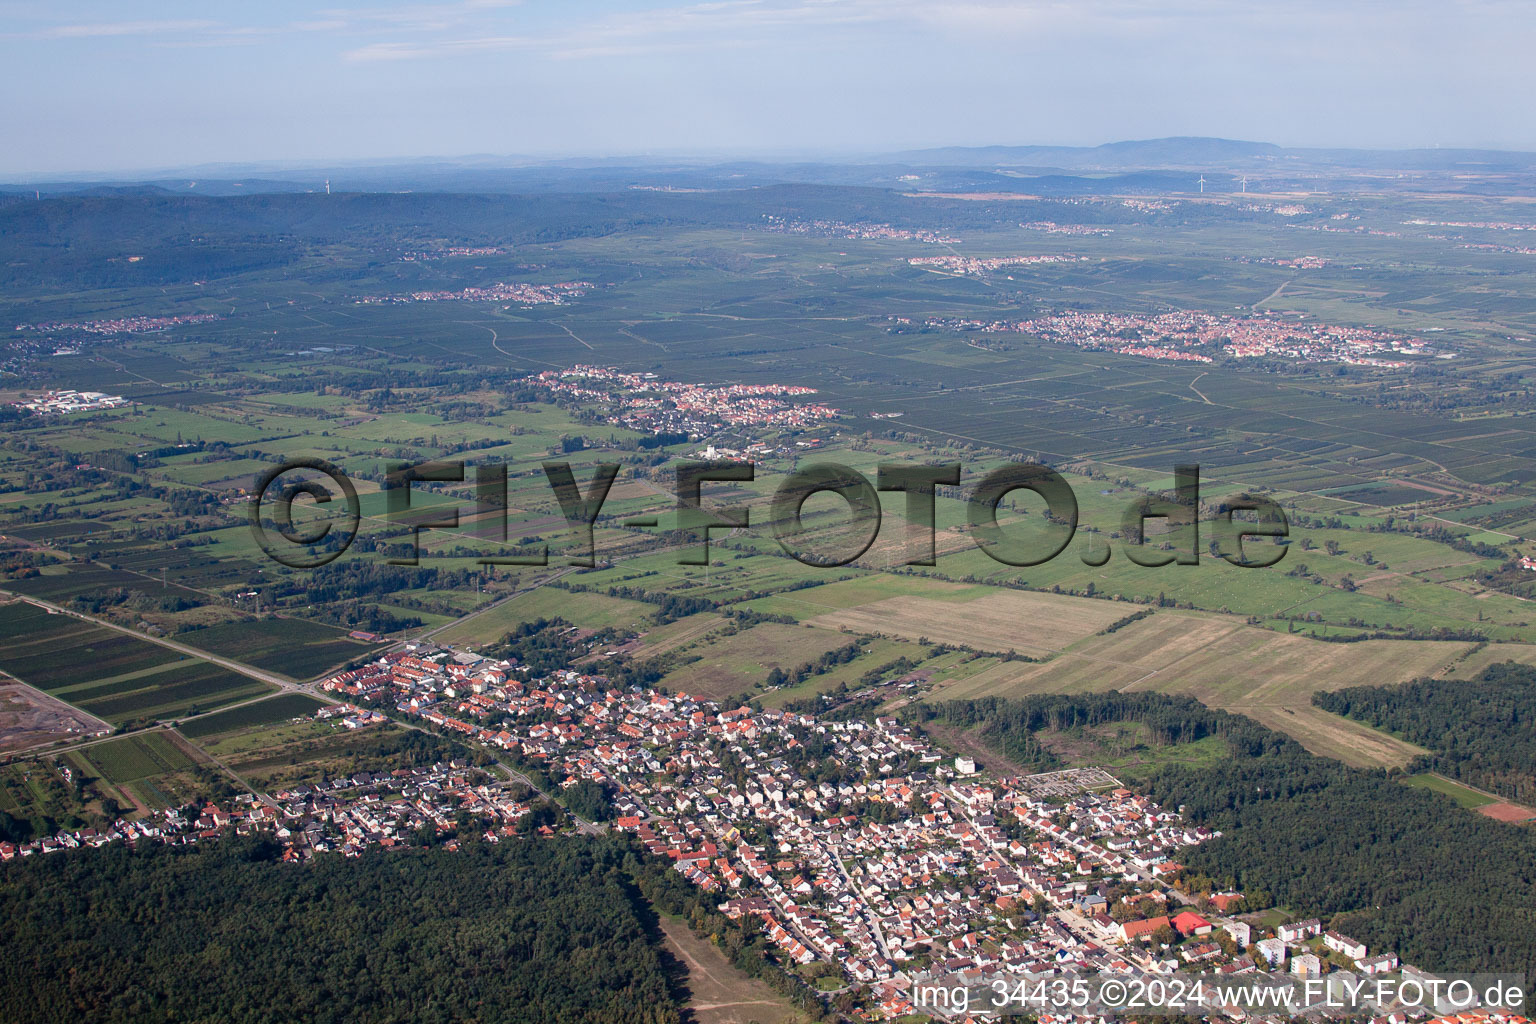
(876, 655)
(110, 675)
(659, 640)
(1029, 624)
(132, 758)
(149, 771)
(293, 647)
(594, 611)
(1405, 514)
(723, 668)
(1229, 665)
(281, 708)
(1465, 796)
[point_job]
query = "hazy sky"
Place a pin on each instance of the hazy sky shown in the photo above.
(94, 85)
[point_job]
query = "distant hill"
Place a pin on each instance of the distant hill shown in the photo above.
(1149, 166)
(1144, 154)
(1208, 153)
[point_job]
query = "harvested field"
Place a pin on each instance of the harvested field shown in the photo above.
(1472, 666)
(1229, 665)
(1333, 736)
(1029, 623)
(673, 635)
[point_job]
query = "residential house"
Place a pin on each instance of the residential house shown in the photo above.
(1306, 965)
(1307, 929)
(1344, 944)
(1272, 951)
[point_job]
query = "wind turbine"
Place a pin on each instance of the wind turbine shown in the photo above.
(1202, 184)
(327, 186)
(1245, 183)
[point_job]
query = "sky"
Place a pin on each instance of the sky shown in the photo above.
(96, 86)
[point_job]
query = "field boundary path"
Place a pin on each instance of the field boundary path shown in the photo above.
(261, 675)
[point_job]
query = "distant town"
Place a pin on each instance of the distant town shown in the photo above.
(844, 229)
(645, 402)
(122, 324)
(450, 252)
(972, 265)
(54, 403)
(513, 292)
(1194, 336)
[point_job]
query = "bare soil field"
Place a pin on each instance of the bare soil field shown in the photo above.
(29, 719)
(1022, 621)
(1507, 812)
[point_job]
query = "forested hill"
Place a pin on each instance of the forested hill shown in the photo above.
(1482, 733)
(77, 240)
(1397, 867)
(224, 931)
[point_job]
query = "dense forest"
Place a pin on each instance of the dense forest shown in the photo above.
(1482, 733)
(225, 931)
(1396, 867)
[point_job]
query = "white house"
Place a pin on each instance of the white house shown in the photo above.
(1241, 933)
(1300, 930)
(1344, 944)
(1378, 964)
(1306, 965)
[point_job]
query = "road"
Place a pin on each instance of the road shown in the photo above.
(582, 824)
(284, 683)
(874, 921)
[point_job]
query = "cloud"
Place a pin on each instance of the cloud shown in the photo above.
(120, 28)
(438, 48)
(419, 18)
(713, 24)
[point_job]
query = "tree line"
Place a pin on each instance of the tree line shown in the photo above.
(1482, 732)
